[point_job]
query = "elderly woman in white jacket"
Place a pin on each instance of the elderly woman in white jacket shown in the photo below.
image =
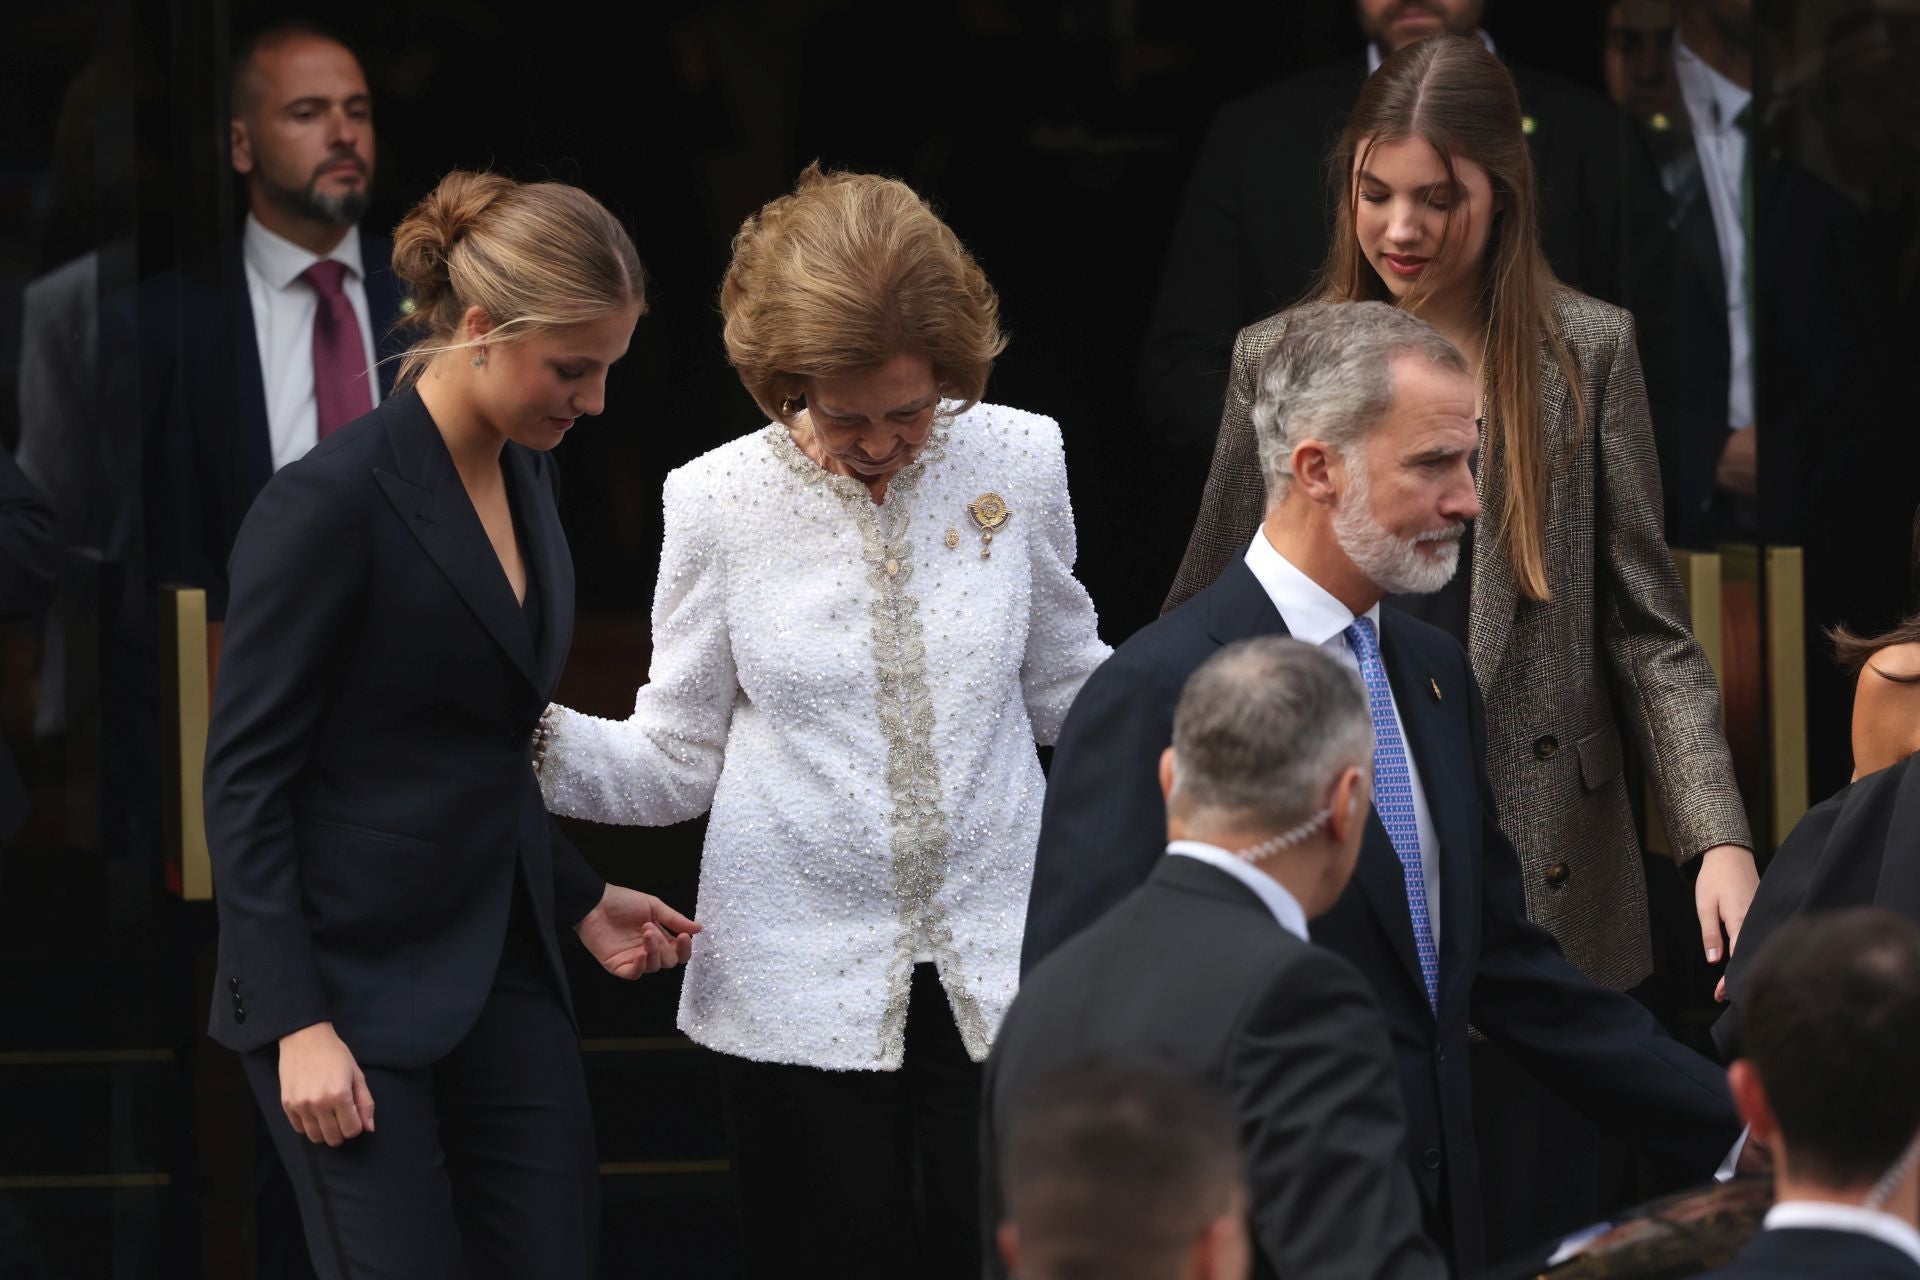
(866, 618)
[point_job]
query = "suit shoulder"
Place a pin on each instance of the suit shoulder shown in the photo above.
(1588, 324)
(998, 434)
(726, 467)
(1568, 101)
(1275, 109)
(1253, 342)
(1166, 649)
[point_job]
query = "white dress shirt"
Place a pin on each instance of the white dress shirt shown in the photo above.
(1314, 616)
(854, 693)
(284, 306)
(1713, 104)
(1817, 1215)
(1286, 908)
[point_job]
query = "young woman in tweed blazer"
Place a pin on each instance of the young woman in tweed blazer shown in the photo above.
(1569, 605)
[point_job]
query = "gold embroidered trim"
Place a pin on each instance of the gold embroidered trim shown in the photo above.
(905, 708)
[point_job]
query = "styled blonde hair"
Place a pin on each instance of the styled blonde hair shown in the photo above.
(1449, 91)
(535, 256)
(843, 275)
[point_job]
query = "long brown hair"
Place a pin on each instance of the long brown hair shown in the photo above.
(1453, 94)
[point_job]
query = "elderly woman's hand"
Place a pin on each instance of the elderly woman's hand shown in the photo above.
(631, 933)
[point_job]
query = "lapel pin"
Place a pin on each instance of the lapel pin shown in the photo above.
(989, 512)
(953, 539)
(1434, 685)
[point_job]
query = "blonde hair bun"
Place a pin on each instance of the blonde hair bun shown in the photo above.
(533, 256)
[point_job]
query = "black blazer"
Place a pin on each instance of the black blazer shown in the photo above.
(1255, 223)
(1797, 1253)
(1856, 848)
(1288, 1031)
(205, 402)
(32, 554)
(369, 791)
(1099, 837)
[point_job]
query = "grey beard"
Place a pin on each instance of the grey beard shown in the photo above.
(341, 210)
(1396, 565)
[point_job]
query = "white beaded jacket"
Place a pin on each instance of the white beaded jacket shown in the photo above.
(855, 691)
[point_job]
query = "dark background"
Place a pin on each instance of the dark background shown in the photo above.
(1054, 137)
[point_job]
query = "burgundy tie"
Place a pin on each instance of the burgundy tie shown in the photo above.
(340, 390)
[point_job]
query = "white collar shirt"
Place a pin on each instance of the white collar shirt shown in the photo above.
(1286, 909)
(1714, 104)
(284, 307)
(1314, 616)
(1817, 1215)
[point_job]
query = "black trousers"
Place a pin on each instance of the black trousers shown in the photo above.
(878, 1171)
(480, 1165)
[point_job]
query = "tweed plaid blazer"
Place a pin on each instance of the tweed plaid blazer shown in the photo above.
(1617, 624)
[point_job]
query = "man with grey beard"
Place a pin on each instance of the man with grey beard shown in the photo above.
(1364, 418)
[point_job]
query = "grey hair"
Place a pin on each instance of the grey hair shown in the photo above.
(1263, 729)
(1329, 376)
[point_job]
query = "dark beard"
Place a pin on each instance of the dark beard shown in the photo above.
(305, 202)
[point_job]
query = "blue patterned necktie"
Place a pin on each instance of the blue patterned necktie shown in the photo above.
(1393, 797)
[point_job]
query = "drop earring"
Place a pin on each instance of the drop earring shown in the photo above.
(480, 359)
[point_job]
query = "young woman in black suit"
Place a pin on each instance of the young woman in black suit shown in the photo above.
(388, 882)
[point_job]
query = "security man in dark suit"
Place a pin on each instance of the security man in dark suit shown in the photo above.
(297, 336)
(1367, 498)
(1256, 219)
(1826, 1079)
(1266, 787)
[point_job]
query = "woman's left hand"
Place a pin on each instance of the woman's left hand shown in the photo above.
(1722, 894)
(631, 933)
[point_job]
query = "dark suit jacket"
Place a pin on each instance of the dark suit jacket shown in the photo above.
(32, 554)
(1859, 847)
(1597, 1047)
(205, 404)
(1255, 223)
(1288, 1031)
(1806, 1253)
(370, 797)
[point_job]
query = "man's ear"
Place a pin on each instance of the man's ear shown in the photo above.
(1343, 803)
(239, 146)
(1166, 775)
(1315, 463)
(1750, 1100)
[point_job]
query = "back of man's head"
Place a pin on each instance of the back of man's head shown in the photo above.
(1123, 1172)
(1263, 730)
(1830, 1025)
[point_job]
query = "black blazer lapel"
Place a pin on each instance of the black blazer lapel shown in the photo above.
(429, 496)
(548, 560)
(1239, 608)
(1440, 748)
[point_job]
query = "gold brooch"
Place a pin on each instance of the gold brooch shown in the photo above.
(953, 539)
(989, 512)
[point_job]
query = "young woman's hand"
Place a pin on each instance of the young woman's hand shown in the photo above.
(631, 933)
(322, 1089)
